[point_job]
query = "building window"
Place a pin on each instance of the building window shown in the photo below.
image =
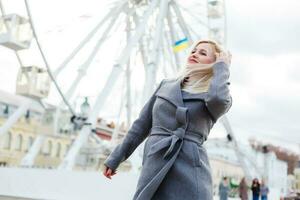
(47, 148)
(58, 150)
(7, 141)
(27, 116)
(19, 141)
(6, 111)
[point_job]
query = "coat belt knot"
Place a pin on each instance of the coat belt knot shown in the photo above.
(174, 135)
(170, 141)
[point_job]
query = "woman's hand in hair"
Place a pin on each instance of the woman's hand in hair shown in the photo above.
(224, 57)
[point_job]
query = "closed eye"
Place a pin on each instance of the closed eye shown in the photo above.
(203, 52)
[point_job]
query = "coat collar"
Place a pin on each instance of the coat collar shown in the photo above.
(199, 96)
(171, 91)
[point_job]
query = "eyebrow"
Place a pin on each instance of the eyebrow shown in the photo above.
(200, 49)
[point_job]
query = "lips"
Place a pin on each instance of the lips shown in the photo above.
(192, 60)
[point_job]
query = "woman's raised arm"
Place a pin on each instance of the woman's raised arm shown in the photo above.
(219, 100)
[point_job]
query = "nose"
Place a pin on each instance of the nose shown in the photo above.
(194, 54)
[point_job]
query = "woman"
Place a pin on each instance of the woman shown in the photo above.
(224, 189)
(177, 118)
(243, 189)
(264, 190)
(255, 187)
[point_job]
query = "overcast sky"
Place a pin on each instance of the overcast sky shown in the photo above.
(263, 37)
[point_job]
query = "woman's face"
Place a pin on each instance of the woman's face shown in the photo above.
(203, 53)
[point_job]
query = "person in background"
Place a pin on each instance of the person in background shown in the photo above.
(243, 189)
(264, 190)
(255, 187)
(224, 189)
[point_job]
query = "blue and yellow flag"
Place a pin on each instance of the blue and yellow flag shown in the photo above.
(180, 45)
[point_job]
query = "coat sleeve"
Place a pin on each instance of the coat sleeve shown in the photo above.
(218, 100)
(137, 133)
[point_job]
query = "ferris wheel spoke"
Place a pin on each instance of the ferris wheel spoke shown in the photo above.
(49, 71)
(114, 11)
(152, 66)
(69, 160)
(237, 149)
(83, 68)
(168, 52)
(194, 16)
(181, 22)
(116, 130)
(193, 31)
(139, 33)
(173, 36)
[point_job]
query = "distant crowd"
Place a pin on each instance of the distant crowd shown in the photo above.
(258, 189)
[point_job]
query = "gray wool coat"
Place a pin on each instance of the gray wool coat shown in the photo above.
(175, 165)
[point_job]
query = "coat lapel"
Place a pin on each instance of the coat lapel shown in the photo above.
(171, 91)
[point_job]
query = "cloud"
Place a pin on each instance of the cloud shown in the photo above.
(264, 27)
(266, 95)
(265, 74)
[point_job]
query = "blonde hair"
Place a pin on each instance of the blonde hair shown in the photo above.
(215, 44)
(203, 72)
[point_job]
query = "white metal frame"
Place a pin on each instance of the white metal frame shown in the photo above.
(137, 40)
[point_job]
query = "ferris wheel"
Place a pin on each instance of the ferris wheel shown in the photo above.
(150, 39)
(155, 33)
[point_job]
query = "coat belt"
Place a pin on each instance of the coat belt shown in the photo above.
(172, 138)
